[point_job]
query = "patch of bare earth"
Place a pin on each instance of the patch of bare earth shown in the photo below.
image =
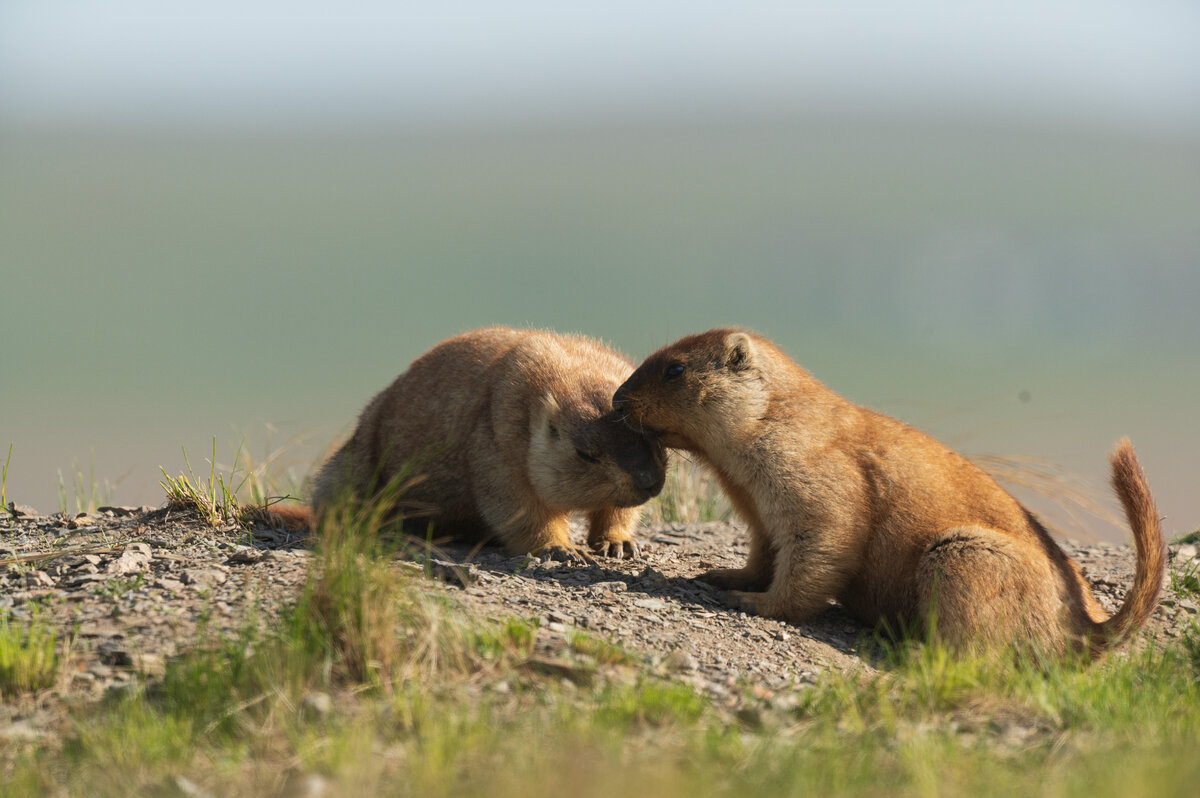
(131, 588)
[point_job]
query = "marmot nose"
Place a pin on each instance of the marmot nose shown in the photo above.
(648, 479)
(618, 400)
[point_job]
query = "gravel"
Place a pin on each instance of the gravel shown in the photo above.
(133, 587)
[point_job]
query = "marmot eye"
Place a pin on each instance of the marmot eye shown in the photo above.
(673, 371)
(587, 458)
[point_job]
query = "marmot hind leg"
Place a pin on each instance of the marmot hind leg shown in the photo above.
(975, 591)
(755, 576)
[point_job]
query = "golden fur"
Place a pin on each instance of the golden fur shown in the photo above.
(503, 432)
(847, 504)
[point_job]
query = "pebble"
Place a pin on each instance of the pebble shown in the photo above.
(190, 788)
(680, 660)
(671, 619)
(203, 578)
(607, 587)
(134, 559)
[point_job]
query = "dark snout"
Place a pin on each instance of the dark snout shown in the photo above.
(647, 467)
(618, 400)
(639, 454)
(649, 480)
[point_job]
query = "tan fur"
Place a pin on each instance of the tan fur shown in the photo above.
(504, 432)
(847, 504)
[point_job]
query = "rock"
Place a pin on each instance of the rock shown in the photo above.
(134, 559)
(123, 512)
(681, 661)
(607, 587)
(565, 670)
(204, 578)
(304, 785)
(189, 788)
(651, 604)
(1185, 553)
(38, 579)
(150, 664)
(246, 556)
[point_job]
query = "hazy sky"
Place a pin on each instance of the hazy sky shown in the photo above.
(271, 62)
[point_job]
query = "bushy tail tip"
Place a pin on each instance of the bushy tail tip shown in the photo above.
(1129, 482)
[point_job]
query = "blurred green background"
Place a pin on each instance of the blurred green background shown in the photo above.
(1016, 277)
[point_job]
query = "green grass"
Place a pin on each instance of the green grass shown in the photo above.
(216, 499)
(427, 701)
(30, 656)
(1185, 579)
(4, 480)
(87, 493)
(691, 494)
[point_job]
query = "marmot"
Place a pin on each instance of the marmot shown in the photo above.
(502, 432)
(848, 504)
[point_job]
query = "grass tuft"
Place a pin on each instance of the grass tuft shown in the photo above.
(215, 501)
(690, 495)
(4, 480)
(29, 655)
(1185, 578)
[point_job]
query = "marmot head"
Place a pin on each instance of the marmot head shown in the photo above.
(701, 388)
(581, 458)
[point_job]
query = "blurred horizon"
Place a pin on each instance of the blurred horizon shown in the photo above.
(244, 219)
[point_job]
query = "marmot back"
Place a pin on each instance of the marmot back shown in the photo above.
(503, 432)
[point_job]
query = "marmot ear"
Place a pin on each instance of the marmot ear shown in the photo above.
(739, 351)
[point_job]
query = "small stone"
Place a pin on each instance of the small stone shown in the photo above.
(134, 559)
(651, 604)
(190, 788)
(150, 664)
(607, 587)
(305, 785)
(1185, 553)
(39, 579)
(681, 661)
(203, 578)
(121, 512)
(249, 556)
(79, 580)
